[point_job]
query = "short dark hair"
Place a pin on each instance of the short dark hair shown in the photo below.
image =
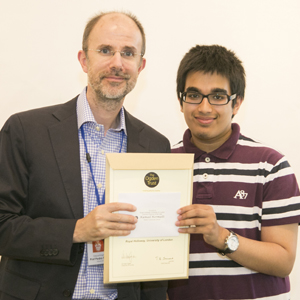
(211, 59)
(92, 22)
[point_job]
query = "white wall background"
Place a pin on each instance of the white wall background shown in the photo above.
(39, 67)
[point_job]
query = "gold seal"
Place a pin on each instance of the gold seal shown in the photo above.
(151, 179)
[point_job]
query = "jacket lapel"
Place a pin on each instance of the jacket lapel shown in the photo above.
(64, 137)
(136, 140)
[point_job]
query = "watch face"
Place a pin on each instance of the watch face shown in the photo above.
(233, 243)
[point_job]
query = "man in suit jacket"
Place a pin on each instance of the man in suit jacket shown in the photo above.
(48, 209)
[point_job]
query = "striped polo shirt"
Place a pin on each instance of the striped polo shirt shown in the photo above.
(249, 185)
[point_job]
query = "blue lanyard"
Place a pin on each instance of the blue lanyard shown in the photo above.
(89, 160)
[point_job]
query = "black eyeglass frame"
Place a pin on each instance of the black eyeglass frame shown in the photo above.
(229, 98)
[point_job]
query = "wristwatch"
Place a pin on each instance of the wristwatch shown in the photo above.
(231, 243)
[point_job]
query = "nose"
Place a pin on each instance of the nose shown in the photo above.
(116, 61)
(205, 106)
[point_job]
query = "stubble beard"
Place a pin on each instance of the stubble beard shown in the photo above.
(110, 94)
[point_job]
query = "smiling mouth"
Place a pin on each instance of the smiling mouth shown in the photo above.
(115, 78)
(204, 121)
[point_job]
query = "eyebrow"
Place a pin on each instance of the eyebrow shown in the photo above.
(192, 89)
(125, 48)
(129, 48)
(214, 90)
(104, 46)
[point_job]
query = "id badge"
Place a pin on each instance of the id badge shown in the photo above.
(95, 253)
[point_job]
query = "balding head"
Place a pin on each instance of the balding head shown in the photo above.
(111, 15)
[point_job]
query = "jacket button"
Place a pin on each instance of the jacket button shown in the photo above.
(81, 248)
(67, 293)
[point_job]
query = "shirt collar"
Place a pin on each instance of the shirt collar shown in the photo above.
(85, 115)
(223, 152)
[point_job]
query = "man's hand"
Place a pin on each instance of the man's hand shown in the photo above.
(274, 254)
(101, 223)
(202, 219)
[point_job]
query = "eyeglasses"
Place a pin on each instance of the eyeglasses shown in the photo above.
(218, 98)
(126, 54)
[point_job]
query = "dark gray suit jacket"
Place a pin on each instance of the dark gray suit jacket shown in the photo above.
(41, 200)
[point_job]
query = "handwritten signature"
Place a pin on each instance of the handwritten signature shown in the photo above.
(164, 258)
(128, 256)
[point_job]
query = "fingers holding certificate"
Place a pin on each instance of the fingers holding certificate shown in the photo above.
(102, 222)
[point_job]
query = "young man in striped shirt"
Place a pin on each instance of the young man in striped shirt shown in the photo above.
(245, 213)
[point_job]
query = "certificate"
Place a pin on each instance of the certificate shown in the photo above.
(157, 185)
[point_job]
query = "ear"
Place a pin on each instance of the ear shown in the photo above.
(142, 65)
(238, 103)
(83, 60)
(181, 108)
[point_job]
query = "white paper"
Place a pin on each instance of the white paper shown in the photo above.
(156, 213)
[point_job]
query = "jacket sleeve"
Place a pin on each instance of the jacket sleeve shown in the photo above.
(27, 230)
